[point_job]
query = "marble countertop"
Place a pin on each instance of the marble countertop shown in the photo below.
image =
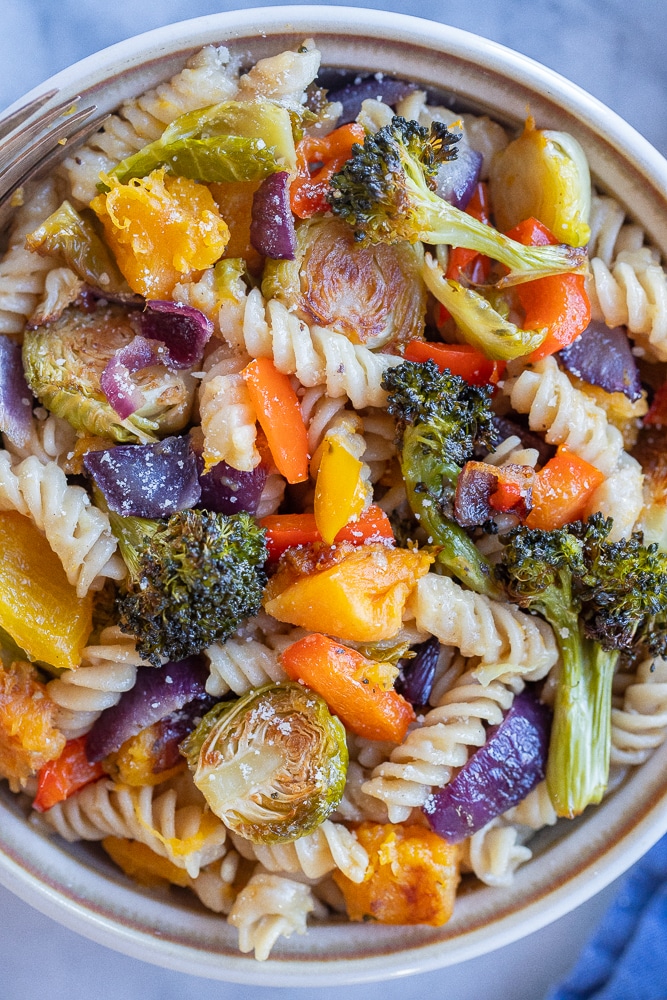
(615, 52)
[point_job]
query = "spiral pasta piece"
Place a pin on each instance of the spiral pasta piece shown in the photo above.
(506, 639)
(565, 415)
(52, 439)
(494, 854)
(610, 233)
(107, 670)
(632, 292)
(328, 848)
(208, 78)
(23, 273)
(214, 885)
(621, 497)
(172, 819)
(433, 750)
(535, 811)
(243, 663)
(78, 532)
(267, 908)
(316, 356)
(641, 724)
(228, 418)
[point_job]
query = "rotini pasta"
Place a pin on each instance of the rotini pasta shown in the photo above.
(172, 819)
(641, 724)
(494, 854)
(507, 640)
(632, 292)
(22, 273)
(267, 908)
(565, 415)
(78, 532)
(440, 743)
(329, 848)
(107, 670)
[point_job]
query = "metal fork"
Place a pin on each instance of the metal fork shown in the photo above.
(29, 147)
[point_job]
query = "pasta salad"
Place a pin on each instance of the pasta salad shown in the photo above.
(332, 494)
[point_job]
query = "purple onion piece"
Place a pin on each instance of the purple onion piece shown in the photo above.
(15, 397)
(415, 680)
(157, 692)
(498, 776)
(91, 296)
(183, 330)
(603, 357)
(272, 227)
(457, 179)
(172, 730)
(226, 490)
(121, 392)
(379, 88)
(507, 428)
(147, 480)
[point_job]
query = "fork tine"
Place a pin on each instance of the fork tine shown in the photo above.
(30, 156)
(16, 142)
(22, 114)
(50, 159)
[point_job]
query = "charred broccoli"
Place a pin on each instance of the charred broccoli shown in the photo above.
(385, 191)
(440, 418)
(192, 579)
(601, 598)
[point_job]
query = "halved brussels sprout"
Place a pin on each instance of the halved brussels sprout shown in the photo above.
(543, 174)
(373, 295)
(272, 765)
(64, 362)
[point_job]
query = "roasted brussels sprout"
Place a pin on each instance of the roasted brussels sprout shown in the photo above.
(543, 174)
(373, 295)
(64, 362)
(272, 765)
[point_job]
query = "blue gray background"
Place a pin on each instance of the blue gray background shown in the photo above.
(615, 50)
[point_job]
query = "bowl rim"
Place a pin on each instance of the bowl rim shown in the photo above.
(57, 899)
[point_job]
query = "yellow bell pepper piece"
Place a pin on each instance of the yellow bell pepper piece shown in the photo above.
(340, 492)
(358, 595)
(160, 229)
(38, 607)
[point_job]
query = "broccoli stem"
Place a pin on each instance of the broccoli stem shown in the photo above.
(578, 762)
(428, 478)
(132, 534)
(443, 223)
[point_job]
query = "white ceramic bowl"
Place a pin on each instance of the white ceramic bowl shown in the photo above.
(76, 885)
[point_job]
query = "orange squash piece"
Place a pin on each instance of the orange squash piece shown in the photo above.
(38, 607)
(161, 229)
(144, 865)
(412, 876)
(353, 593)
(28, 737)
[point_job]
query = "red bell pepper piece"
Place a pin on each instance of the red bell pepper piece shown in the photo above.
(66, 775)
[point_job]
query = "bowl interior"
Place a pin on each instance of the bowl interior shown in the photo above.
(75, 884)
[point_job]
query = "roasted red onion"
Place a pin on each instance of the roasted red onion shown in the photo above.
(226, 490)
(457, 179)
(416, 677)
(498, 776)
(147, 480)
(379, 87)
(183, 330)
(508, 428)
(272, 227)
(603, 357)
(474, 488)
(15, 397)
(157, 692)
(169, 732)
(115, 381)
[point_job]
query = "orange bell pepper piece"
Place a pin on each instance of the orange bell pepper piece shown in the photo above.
(558, 302)
(317, 160)
(562, 491)
(64, 776)
(279, 415)
(285, 531)
(349, 684)
(461, 359)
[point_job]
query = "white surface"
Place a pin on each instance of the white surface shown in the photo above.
(614, 52)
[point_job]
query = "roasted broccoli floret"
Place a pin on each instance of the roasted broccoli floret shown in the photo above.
(601, 598)
(440, 418)
(192, 579)
(386, 192)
